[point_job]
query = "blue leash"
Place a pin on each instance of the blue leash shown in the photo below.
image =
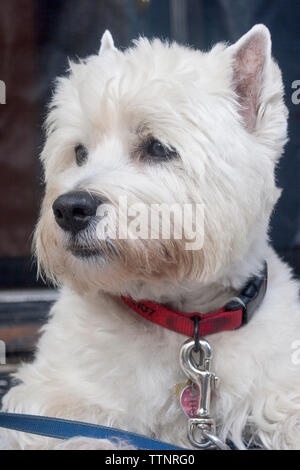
(65, 429)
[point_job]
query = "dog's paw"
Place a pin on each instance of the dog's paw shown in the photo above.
(3, 444)
(85, 443)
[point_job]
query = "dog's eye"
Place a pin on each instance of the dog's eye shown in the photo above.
(157, 150)
(81, 154)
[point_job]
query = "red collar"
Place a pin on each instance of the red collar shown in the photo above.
(233, 315)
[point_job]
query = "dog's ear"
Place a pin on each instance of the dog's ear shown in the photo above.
(251, 56)
(107, 43)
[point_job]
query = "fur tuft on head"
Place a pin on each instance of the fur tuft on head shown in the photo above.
(107, 43)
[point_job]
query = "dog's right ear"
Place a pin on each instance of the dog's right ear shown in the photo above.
(251, 56)
(257, 82)
(107, 43)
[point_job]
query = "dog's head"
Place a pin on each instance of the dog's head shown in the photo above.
(160, 126)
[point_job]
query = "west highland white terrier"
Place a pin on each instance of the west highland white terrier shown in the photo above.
(153, 126)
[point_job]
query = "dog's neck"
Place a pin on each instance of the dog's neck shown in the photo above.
(186, 296)
(194, 296)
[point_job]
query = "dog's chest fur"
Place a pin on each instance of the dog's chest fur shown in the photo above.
(107, 365)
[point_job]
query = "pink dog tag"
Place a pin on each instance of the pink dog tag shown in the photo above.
(189, 400)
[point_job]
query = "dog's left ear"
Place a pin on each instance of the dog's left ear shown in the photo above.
(107, 43)
(251, 56)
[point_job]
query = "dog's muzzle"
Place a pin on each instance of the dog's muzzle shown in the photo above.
(74, 210)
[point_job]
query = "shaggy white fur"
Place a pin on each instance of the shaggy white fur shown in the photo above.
(98, 361)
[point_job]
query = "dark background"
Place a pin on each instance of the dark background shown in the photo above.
(37, 37)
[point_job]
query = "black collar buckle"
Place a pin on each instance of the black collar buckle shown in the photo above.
(251, 296)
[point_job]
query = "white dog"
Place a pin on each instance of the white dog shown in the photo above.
(162, 123)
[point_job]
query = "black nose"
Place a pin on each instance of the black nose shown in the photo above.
(74, 210)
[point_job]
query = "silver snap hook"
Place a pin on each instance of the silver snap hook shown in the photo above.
(201, 428)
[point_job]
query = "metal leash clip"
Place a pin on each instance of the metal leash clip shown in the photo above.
(201, 428)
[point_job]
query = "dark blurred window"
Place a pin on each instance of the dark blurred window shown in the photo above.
(37, 37)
